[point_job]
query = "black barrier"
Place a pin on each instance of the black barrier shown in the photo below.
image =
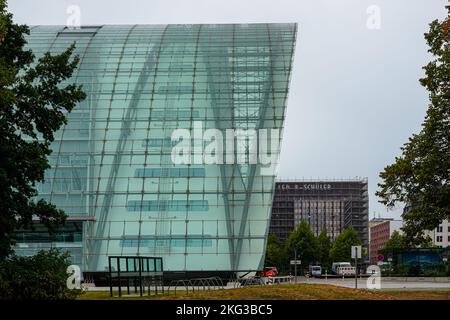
(142, 272)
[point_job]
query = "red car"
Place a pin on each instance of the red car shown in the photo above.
(269, 272)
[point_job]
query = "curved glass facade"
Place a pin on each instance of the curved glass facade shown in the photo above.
(112, 166)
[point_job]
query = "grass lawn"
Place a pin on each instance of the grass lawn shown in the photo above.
(419, 294)
(289, 292)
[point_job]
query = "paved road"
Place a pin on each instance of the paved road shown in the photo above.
(347, 282)
(362, 283)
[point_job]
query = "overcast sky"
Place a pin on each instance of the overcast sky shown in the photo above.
(354, 96)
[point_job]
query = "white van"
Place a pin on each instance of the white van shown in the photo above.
(315, 271)
(343, 268)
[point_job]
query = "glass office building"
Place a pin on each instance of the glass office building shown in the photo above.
(112, 169)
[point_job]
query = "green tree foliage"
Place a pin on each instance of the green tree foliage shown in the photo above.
(275, 256)
(324, 246)
(39, 277)
(302, 239)
(421, 174)
(426, 242)
(33, 103)
(396, 242)
(342, 245)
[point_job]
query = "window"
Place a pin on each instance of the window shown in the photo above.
(159, 142)
(175, 114)
(80, 31)
(439, 239)
(175, 241)
(175, 90)
(71, 232)
(169, 172)
(168, 205)
(439, 229)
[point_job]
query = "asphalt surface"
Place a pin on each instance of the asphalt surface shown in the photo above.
(384, 284)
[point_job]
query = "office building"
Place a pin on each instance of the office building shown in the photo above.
(334, 205)
(380, 232)
(440, 235)
(113, 169)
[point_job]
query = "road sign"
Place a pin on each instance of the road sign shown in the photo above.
(296, 262)
(356, 252)
(380, 258)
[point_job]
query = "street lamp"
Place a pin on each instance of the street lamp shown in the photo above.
(295, 266)
(294, 262)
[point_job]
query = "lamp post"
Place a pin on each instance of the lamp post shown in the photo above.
(295, 265)
(356, 268)
(356, 253)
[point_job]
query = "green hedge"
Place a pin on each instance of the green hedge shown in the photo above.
(39, 277)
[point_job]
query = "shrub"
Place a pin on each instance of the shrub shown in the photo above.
(39, 277)
(400, 270)
(414, 271)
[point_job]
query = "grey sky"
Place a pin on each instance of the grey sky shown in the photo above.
(355, 96)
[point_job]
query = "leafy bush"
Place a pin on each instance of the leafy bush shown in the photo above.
(414, 271)
(434, 270)
(400, 270)
(39, 277)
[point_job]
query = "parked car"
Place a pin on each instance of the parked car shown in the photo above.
(269, 272)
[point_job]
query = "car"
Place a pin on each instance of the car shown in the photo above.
(269, 272)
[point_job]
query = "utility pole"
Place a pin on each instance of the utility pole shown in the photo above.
(356, 268)
(356, 253)
(295, 266)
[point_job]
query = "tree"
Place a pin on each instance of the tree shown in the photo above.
(39, 277)
(420, 176)
(33, 103)
(303, 240)
(396, 242)
(324, 246)
(342, 245)
(274, 252)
